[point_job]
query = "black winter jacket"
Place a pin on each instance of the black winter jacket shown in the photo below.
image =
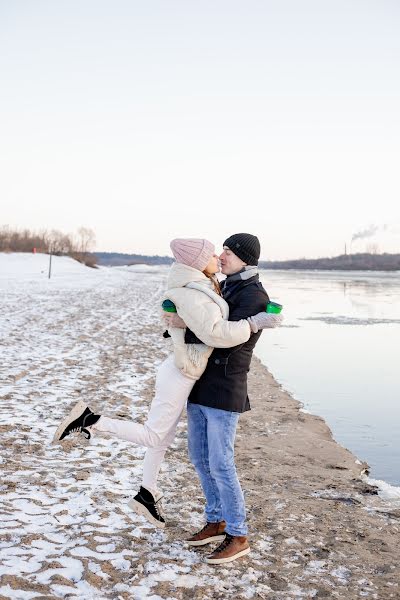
(223, 384)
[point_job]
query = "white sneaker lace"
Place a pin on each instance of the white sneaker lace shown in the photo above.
(159, 507)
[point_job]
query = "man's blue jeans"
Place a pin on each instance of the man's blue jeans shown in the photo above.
(211, 437)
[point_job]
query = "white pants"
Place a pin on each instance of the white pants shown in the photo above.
(158, 432)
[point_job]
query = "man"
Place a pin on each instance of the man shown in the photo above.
(217, 400)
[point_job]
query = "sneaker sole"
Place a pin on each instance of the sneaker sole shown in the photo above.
(74, 414)
(142, 510)
(221, 561)
(214, 538)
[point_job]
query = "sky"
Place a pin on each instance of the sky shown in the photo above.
(146, 121)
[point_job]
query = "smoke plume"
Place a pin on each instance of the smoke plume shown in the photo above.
(365, 233)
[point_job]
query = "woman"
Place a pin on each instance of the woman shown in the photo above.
(194, 290)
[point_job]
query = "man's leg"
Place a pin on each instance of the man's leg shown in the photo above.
(214, 530)
(198, 454)
(221, 430)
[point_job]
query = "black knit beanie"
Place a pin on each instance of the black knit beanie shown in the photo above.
(245, 246)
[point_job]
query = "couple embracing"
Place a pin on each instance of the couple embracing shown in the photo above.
(213, 333)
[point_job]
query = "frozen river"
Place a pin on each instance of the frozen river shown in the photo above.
(338, 354)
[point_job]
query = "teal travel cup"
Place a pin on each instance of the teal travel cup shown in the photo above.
(274, 307)
(168, 306)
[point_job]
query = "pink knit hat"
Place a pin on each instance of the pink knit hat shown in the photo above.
(192, 252)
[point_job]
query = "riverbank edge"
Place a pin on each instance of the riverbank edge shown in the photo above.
(311, 494)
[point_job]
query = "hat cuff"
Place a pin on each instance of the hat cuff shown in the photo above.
(247, 258)
(243, 255)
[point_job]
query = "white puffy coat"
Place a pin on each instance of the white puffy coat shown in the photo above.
(206, 314)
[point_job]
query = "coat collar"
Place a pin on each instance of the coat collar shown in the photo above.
(246, 273)
(230, 286)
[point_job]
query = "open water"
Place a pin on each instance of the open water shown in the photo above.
(338, 353)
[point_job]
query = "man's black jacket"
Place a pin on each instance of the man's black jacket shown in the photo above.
(223, 384)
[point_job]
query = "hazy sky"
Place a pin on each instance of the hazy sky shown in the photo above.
(147, 120)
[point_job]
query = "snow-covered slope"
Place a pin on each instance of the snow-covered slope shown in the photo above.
(23, 267)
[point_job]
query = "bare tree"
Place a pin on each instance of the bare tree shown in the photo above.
(4, 238)
(372, 248)
(54, 241)
(58, 242)
(84, 244)
(86, 240)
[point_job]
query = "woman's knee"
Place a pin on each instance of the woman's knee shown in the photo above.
(154, 439)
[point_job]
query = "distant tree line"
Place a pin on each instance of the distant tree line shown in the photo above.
(78, 245)
(345, 262)
(114, 259)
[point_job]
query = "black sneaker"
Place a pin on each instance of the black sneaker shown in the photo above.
(146, 505)
(78, 420)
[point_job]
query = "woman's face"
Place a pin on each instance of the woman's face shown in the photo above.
(213, 266)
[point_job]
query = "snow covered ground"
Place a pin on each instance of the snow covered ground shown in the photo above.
(83, 333)
(65, 528)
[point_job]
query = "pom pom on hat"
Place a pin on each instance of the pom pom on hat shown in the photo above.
(193, 252)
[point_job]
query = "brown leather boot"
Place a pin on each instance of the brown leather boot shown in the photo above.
(233, 547)
(211, 532)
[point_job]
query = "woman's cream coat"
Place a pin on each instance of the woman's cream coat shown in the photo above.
(206, 314)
